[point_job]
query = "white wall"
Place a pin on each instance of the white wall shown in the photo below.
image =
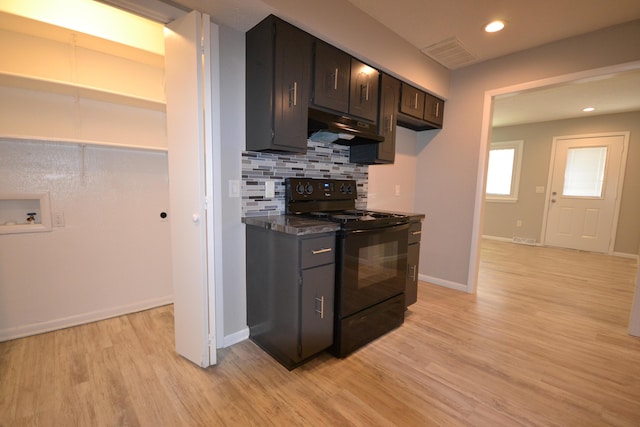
(448, 161)
(383, 179)
(112, 255)
(232, 93)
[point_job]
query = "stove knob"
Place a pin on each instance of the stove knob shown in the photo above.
(349, 189)
(300, 188)
(309, 188)
(343, 190)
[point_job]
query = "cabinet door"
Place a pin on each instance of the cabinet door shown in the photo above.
(433, 110)
(412, 102)
(389, 100)
(413, 259)
(293, 49)
(316, 329)
(331, 81)
(384, 152)
(363, 99)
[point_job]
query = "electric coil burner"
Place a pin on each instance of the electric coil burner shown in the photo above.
(371, 260)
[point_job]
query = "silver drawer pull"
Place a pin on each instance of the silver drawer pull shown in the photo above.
(321, 251)
(321, 311)
(416, 232)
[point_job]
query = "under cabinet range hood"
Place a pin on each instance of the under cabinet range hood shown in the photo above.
(339, 129)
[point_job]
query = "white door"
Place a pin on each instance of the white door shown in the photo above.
(187, 52)
(584, 192)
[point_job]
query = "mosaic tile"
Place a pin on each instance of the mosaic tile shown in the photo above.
(322, 160)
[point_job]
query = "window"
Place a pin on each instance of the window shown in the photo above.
(503, 173)
(584, 174)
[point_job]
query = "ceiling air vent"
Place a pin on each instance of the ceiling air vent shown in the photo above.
(449, 52)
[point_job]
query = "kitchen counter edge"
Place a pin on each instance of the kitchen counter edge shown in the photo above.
(291, 224)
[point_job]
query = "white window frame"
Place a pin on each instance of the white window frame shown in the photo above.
(518, 146)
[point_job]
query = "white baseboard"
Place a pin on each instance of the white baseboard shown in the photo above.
(625, 255)
(79, 319)
(444, 283)
(499, 239)
(513, 240)
(235, 337)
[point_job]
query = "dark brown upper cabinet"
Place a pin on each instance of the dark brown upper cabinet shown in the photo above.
(344, 84)
(278, 86)
(412, 101)
(419, 110)
(363, 100)
(385, 152)
(433, 110)
(331, 79)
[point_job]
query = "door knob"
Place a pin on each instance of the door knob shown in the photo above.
(553, 200)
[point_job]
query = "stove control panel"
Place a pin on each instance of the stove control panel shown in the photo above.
(320, 189)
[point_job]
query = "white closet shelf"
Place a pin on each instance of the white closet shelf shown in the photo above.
(40, 138)
(71, 89)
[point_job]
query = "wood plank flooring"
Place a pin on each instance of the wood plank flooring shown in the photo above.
(543, 343)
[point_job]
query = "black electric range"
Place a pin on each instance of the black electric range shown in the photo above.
(371, 259)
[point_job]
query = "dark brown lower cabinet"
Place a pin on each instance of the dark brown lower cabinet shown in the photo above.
(290, 293)
(413, 260)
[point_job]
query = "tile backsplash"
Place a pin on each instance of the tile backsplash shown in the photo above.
(322, 160)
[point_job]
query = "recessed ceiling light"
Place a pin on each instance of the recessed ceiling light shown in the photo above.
(494, 26)
(588, 109)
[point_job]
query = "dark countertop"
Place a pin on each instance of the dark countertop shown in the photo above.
(292, 224)
(413, 216)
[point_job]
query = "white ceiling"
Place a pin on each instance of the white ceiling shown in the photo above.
(609, 94)
(458, 23)
(529, 23)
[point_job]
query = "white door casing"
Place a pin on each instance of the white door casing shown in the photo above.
(579, 220)
(189, 133)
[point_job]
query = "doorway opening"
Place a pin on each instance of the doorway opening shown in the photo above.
(513, 91)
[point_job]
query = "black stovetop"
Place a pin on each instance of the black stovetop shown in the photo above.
(334, 200)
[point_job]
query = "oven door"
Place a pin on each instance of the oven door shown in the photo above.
(372, 267)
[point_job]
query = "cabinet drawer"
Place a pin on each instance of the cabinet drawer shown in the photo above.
(415, 232)
(317, 251)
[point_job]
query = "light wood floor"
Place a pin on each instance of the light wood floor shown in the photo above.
(543, 343)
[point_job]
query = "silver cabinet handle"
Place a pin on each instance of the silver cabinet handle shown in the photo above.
(437, 109)
(320, 251)
(415, 233)
(293, 94)
(415, 102)
(321, 312)
(335, 80)
(366, 93)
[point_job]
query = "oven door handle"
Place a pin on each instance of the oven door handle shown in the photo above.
(386, 229)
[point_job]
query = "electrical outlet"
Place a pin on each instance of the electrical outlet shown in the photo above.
(269, 190)
(519, 223)
(397, 189)
(234, 188)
